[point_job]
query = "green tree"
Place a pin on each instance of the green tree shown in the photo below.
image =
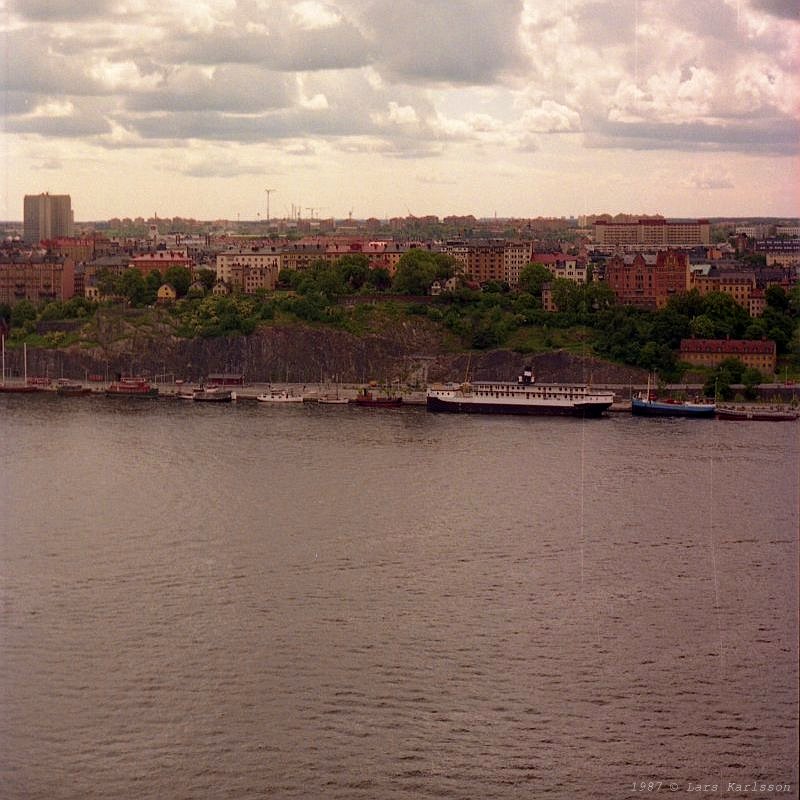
(354, 270)
(378, 279)
(208, 277)
(751, 378)
(567, 295)
(152, 282)
(131, 285)
(418, 269)
(22, 312)
(179, 278)
(777, 298)
(703, 327)
(533, 277)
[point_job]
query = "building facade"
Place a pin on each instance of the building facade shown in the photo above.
(46, 216)
(39, 279)
(648, 280)
(651, 234)
(758, 353)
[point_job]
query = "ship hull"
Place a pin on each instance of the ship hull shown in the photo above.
(757, 416)
(650, 408)
(529, 409)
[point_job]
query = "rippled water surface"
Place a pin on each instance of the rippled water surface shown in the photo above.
(330, 602)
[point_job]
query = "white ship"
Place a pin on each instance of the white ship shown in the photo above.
(524, 396)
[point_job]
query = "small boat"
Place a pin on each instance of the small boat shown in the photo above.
(279, 396)
(131, 387)
(368, 398)
(209, 394)
(68, 388)
(646, 404)
(330, 400)
(757, 414)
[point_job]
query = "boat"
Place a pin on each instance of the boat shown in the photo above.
(131, 387)
(525, 396)
(27, 386)
(279, 396)
(209, 394)
(68, 388)
(647, 404)
(368, 398)
(757, 414)
(332, 400)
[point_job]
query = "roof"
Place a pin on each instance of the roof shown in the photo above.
(729, 346)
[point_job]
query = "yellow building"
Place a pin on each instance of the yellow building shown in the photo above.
(758, 353)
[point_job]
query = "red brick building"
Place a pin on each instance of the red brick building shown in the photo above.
(648, 280)
(39, 279)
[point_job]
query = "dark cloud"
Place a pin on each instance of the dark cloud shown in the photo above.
(78, 125)
(767, 136)
(216, 126)
(232, 88)
(62, 10)
(783, 9)
(32, 66)
(450, 41)
(281, 45)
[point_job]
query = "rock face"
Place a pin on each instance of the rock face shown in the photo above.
(411, 352)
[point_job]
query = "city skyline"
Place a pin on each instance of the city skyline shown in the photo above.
(245, 108)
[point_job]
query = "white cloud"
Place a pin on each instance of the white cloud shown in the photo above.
(452, 82)
(311, 15)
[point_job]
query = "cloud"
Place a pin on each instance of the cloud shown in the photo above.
(229, 87)
(449, 41)
(708, 181)
(772, 137)
(62, 10)
(216, 167)
(783, 9)
(550, 117)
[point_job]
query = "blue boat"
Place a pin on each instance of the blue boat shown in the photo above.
(647, 405)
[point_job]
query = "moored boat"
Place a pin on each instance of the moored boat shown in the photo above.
(651, 407)
(525, 396)
(647, 404)
(27, 386)
(279, 396)
(68, 388)
(368, 398)
(210, 394)
(131, 387)
(757, 414)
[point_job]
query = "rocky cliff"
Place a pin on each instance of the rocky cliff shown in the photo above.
(412, 352)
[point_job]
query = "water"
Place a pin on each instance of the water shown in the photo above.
(250, 602)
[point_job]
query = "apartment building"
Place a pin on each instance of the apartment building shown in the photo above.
(36, 278)
(758, 353)
(249, 269)
(648, 280)
(160, 261)
(650, 234)
(46, 216)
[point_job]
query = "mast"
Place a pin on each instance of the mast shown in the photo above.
(4, 361)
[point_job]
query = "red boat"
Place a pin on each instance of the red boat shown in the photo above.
(367, 398)
(131, 387)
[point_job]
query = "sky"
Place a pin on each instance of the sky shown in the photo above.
(525, 108)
